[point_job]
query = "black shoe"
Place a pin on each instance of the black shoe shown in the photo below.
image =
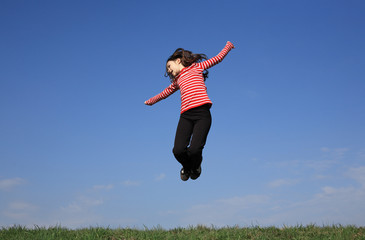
(195, 173)
(184, 175)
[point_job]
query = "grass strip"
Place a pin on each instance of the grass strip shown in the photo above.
(199, 232)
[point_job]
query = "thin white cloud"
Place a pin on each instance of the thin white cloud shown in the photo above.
(103, 187)
(20, 211)
(22, 206)
(83, 203)
(320, 164)
(320, 177)
(358, 174)
(244, 202)
(340, 152)
(223, 212)
(325, 149)
(331, 204)
(335, 153)
(283, 182)
(361, 154)
(160, 177)
(326, 159)
(129, 183)
(7, 184)
(79, 213)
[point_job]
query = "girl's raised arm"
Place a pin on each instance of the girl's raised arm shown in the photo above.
(215, 60)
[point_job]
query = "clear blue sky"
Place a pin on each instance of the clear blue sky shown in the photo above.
(78, 147)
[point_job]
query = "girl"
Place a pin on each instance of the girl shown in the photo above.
(188, 72)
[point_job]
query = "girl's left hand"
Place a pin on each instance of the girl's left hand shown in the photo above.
(228, 42)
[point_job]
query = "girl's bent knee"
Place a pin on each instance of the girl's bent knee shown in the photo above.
(178, 151)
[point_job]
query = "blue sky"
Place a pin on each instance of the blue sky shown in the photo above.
(78, 147)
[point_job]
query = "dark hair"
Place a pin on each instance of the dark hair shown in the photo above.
(187, 58)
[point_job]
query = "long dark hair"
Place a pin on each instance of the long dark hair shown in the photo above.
(187, 58)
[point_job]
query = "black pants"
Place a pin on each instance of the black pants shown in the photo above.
(191, 135)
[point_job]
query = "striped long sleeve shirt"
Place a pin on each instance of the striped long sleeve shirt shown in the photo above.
(191, 83)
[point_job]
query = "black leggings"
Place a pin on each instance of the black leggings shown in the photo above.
(193, 129)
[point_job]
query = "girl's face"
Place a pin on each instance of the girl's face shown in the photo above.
(174, 67)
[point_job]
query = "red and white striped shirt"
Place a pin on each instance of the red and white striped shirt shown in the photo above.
(191, 83)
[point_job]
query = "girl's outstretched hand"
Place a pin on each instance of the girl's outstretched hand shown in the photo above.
(228, 42)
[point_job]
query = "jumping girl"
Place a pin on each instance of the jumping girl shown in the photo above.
(188, 72)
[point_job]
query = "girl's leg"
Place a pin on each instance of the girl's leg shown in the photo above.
(199, 137)
(182, 140)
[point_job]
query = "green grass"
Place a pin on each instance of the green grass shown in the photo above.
(198, 232)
